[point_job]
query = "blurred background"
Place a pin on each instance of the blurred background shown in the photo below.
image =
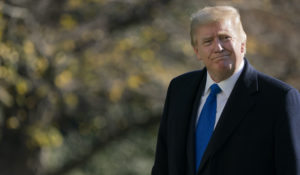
(83, 82)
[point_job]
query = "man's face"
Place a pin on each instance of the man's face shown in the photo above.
(220, 48)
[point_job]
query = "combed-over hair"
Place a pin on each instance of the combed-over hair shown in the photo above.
(216, 14)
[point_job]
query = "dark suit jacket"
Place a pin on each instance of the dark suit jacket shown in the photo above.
(258, 132)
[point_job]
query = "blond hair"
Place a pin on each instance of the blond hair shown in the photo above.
(216, 14)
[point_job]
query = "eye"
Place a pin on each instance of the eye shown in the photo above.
(225, 38)
(207, 42)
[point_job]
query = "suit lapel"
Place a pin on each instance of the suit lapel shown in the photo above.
(191, 133)
(240, 101)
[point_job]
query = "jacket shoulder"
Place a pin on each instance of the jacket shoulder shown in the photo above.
(189, 76)
(274, 83)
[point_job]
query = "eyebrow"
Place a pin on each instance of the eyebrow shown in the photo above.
(207, 38)
(220, 34)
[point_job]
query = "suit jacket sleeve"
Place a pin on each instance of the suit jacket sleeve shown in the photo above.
(287, 139)
(161, 157)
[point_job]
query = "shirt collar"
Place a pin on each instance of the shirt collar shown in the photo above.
(226, 85)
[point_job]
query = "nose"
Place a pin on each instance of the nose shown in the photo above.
(218, 46)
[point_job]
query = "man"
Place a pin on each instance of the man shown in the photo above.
(227, 119)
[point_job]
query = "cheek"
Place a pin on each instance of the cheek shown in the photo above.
(230, 45)
(205, 52)
(235, 47)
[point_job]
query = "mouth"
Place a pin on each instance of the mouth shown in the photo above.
(221, 57)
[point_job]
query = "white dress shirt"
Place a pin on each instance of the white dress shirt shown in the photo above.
(222, 97)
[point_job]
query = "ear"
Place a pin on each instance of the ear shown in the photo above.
(197, 53)
(243, 47)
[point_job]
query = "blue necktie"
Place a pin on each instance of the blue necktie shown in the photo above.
(206, 123)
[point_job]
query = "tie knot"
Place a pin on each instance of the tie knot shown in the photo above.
(215, 89)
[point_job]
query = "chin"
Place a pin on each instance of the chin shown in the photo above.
(225, 66)
(226, 71)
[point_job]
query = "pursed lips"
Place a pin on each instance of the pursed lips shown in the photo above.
(221, 57)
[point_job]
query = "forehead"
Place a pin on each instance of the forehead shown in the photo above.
(225, 27)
